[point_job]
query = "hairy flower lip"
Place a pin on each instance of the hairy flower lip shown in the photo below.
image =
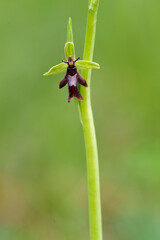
(72, 78)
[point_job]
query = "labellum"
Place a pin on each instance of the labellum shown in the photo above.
(72, 77)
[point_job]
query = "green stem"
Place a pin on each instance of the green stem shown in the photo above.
(89, 130)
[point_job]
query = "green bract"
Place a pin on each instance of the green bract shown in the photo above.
(70, 51)
(69, 31)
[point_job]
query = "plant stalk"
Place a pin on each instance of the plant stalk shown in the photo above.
(89, 130)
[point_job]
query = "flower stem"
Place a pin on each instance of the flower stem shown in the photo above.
(89, 130)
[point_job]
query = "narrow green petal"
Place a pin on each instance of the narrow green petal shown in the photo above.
(69, 31)
(84, 64)
(56, 69)
(69, 49)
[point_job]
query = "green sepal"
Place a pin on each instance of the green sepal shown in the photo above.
(84, 65)
(62, 67)
(69, 50)
(69, 31)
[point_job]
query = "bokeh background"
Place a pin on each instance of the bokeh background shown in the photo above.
(43, 181)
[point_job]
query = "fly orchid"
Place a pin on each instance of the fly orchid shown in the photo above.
(72, 76)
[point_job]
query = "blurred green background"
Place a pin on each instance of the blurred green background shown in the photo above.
(43, 181)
